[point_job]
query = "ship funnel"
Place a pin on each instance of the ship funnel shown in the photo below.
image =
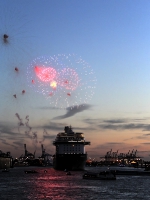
(68, 129)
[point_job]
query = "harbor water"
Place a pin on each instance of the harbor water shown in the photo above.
(56, 185)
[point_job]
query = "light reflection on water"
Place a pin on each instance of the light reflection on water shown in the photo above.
(16, 185)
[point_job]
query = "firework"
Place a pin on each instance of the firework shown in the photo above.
(65, 80)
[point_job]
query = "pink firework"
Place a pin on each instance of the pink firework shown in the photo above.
(65, 80)
(45, 74)
(68, 78)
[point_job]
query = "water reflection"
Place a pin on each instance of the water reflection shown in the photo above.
(57, 185)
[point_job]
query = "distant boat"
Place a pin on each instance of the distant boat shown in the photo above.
(30, 171)
(104, 175)
(68, 173)
(5, 170)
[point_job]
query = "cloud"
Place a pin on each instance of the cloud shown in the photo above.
(73, 110)
(5, 128)
(48, 108)
(110, 144)
(91, 121)
(114, 143)
(6, 143)
(146, 143)
(50, 137)
(146, 135)
(18, 143)
(53, 126)
(115, 121)
(119, 124)
(126, 126)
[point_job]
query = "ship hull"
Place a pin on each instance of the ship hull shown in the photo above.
(69, 161)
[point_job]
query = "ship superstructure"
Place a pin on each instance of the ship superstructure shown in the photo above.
(70, 150)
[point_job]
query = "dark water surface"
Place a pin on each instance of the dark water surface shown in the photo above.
(56, 185)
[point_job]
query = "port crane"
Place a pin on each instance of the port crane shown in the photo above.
(46, 157)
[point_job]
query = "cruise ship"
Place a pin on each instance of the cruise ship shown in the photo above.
(70, 150)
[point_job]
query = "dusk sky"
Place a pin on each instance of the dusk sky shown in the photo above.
(113, 38)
